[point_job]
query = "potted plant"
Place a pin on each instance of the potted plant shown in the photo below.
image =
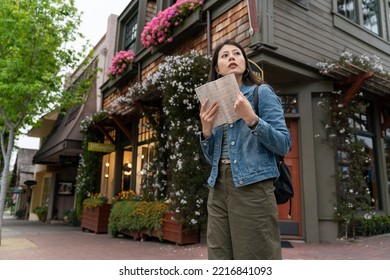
(41, 212)
(70, 218)
(95, 214)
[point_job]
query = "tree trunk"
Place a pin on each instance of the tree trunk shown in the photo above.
(5, 173)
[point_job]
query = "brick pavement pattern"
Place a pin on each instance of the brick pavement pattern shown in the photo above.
(34, 240)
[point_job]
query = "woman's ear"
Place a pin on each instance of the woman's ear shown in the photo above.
(216, 69)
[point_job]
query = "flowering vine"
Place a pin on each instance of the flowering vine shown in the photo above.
(178, 171)
(120, 62)
(88, 173)
(354, 158)
(160, 29)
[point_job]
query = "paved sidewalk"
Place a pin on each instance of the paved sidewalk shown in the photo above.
(33, 240)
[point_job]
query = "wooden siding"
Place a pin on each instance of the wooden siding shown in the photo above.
(310, 35)
(231, 25)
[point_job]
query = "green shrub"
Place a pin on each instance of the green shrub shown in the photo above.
(41, 212)
(375, 225)
(136, 216)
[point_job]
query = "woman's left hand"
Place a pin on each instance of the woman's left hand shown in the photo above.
(243, 108)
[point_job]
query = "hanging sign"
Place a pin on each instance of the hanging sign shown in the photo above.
(100, 147)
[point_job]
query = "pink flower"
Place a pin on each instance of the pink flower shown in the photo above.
(160, 29)
(120, 62)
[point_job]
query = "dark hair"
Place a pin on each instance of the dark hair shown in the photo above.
(249, 79)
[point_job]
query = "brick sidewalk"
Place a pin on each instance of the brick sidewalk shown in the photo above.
(27, 240)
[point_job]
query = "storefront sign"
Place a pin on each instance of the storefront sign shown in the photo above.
(100, 147)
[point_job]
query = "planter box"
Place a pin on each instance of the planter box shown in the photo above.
(182, 33)
(96, 219)
(174, 232)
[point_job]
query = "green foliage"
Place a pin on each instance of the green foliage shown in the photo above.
(33, 60)
(89, 170)
(41, 212)
(372, 225)
(20, 214)
(95, 200)
(179, 171)
(136, 216)
(70, 217)
(354, 156)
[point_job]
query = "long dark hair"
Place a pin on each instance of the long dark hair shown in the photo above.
(248, 78)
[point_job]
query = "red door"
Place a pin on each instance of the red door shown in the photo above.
(292, 227)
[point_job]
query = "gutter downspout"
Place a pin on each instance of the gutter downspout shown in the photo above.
(208, 33)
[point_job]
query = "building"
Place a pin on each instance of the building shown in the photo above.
(61, 140)
(23, 183)
(287, 39)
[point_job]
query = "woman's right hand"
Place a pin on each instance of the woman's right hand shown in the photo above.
(207, 116)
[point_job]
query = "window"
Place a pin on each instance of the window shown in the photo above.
(370, 12)
(145, 132)
(365, 13)
(289, 103)
(145, 151)
(364, 125)
(348, 8)
(302, 3)
(131, 33)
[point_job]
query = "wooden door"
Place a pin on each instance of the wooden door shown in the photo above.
(292, 227)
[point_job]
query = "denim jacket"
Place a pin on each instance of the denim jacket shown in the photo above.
(251, 152)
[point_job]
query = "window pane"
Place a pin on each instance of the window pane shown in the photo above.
(348, 8)
(131, 34)
(388, 9)
(370, 11)
(289, 103)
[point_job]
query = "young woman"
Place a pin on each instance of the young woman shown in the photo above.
(242, 211)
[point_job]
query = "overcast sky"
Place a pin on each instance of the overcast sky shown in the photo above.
(93, 26)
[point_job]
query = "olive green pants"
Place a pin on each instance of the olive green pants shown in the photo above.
(242, 222)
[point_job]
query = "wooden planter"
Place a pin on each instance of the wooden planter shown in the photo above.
(174, 232)
(96, 219)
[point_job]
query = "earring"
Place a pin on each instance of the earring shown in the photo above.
(246, 72)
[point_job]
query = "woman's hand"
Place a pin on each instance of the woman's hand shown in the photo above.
(207, 116)
(244, 109)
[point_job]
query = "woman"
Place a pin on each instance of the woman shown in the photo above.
(242, 211)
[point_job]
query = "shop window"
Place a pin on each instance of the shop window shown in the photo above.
(145, 150)
(112, 134)
(145, 131)
(363, 123)
(289, 103)
(127, 169)
(46, 190)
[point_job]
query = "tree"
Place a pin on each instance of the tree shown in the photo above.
(33, 61)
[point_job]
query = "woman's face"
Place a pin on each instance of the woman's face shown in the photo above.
(231, 60)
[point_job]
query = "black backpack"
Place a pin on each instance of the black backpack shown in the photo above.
(284, 190)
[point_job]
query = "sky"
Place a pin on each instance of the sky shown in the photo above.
(93, 26)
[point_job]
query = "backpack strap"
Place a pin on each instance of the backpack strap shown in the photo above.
(256, 93)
